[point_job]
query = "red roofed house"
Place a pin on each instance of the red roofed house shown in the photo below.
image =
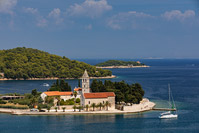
(87, 97)
(63, 95)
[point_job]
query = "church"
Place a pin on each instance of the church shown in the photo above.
(87, 97)
(85, 94)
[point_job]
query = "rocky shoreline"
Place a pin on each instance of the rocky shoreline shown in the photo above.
(55, 78)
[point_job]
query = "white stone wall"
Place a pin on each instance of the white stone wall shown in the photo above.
(112, 102)
(96, 101)
(66, 97)
(43, 95)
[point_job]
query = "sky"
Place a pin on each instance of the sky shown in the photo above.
(102, 28)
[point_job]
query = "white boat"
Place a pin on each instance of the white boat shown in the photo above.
(170, 114)
(46, 84)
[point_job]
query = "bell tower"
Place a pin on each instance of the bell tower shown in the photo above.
(85, 83)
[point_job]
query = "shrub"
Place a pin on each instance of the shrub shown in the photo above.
(43, 106)
(63, 102)
(77, 100)
(21, 101)
(67, 102)
(13, 107)
(2, 102)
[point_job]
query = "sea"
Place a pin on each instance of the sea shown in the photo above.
(181, 74)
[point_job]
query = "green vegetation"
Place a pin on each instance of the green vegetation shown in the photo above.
(26, 63)
(119, 63)
(87, 107)
(12, 106)
(2, 101)
(68, 102)
(124, 92)
(74, 107)
(29, 101)
(77, 101)
(93, 105)
(60, 85)
(64, 108)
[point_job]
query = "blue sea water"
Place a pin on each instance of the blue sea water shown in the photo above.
(183, 76)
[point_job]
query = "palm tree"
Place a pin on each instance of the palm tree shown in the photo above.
(74, 107)
(80, 108)
(39, 108)
(103, 106)
(107, 104)
(87, 106)
(75, 95)
(49, 100)
(33, 101)
(64, 109)
(58, 101)
(100, 106)
(56, 109)
(48, 108)
(93, 105)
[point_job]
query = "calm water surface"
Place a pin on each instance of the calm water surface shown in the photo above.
(183, 75)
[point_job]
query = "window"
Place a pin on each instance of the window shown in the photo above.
(89, 102)
(103, 102)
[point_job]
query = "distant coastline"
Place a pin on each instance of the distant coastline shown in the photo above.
(111, 67)
(55, 78)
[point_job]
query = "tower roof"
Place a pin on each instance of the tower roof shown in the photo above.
(85, 75)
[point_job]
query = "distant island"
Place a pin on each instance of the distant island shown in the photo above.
(120, 64)
(31, 64)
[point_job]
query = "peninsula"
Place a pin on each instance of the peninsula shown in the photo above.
(31, 64)
(120, 64)
(97, 98)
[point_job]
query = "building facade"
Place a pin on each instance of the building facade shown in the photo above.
(63, 95)
(88, 98)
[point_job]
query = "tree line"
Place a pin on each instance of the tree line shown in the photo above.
(124, 92)
(60, 85)
(119, 63)
(28, 63)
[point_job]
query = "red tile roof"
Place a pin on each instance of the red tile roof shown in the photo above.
(57, 93)
(110, 94)
(78, 89)
(99, 95)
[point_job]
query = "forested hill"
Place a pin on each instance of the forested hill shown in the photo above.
(119, 63)
(28, 63)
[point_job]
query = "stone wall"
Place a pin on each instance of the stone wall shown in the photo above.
(112, 102)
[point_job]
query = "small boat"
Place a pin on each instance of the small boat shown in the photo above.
(46, 84)
(170, 114)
